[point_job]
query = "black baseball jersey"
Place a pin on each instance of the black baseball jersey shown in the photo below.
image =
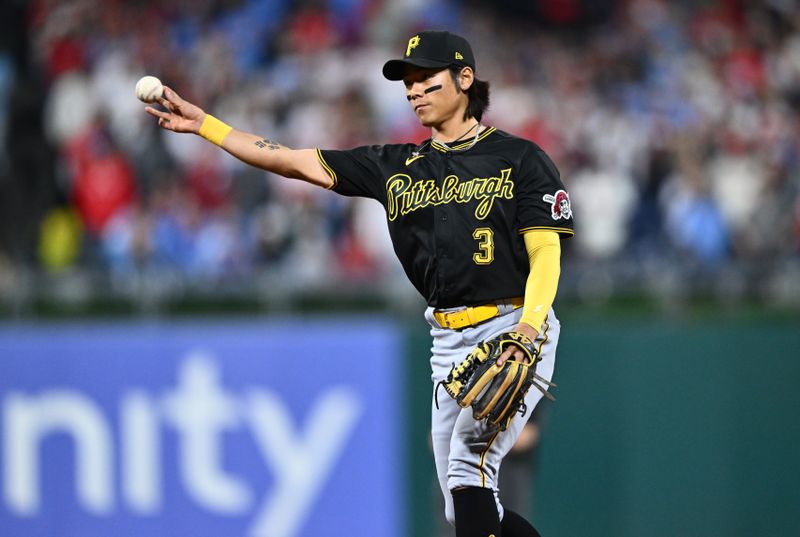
(456, 218)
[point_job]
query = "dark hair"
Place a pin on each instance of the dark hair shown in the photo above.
(477, 93)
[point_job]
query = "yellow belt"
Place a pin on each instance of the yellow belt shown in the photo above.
(456, 320)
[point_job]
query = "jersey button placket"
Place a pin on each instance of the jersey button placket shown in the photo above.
(449, 170)
(443, 231)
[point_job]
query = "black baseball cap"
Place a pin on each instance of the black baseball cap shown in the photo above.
(431, 49)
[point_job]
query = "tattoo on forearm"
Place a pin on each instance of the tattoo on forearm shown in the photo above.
(268, 144)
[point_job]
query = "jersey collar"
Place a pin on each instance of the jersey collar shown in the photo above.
(463, 145)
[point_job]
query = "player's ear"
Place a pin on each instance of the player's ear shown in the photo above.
(465, 78)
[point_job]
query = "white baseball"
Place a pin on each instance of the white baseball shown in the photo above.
(148, 89)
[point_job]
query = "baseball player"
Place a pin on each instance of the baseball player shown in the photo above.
(475, 216)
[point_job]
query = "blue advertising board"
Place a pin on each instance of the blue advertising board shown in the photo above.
(275, 428)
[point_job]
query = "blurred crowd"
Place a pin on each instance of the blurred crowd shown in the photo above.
(676, 127)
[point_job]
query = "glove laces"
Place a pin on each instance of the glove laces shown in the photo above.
(464, 369)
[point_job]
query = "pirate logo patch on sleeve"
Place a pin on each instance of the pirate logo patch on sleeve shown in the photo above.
(559, 205)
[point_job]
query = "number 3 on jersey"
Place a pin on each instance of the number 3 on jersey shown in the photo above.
(485, 238)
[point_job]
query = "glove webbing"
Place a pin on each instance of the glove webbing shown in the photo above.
(465, 369)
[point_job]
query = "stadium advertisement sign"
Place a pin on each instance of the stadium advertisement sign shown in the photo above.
(263, 429)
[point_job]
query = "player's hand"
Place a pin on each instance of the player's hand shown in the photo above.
(515, 352)
(180, 115)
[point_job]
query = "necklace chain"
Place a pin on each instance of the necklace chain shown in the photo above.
(470, 146)
(474, 140)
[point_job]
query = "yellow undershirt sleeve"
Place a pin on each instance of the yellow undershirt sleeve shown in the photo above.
(544, 253)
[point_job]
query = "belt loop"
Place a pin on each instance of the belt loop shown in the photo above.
(503, 307)
(471, 317)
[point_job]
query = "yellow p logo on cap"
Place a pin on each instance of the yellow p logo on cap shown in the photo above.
(412, 44)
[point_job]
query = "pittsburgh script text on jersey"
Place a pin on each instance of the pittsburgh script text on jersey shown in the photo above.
(405, 195)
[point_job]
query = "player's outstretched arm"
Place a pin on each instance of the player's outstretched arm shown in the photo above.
(182, 116)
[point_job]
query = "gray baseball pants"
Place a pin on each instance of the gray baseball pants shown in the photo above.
(468, 453)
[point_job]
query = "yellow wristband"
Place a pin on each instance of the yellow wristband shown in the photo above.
(214, 130)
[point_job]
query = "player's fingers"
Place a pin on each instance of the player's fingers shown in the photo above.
(169, 99)
(164, 119)
(157, 113)
(174, 100)
(520, 357)
(166, 104)
(171, 96)
(504, 356)
(514, 353)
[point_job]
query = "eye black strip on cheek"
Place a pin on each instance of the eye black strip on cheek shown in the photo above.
(433, 88)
